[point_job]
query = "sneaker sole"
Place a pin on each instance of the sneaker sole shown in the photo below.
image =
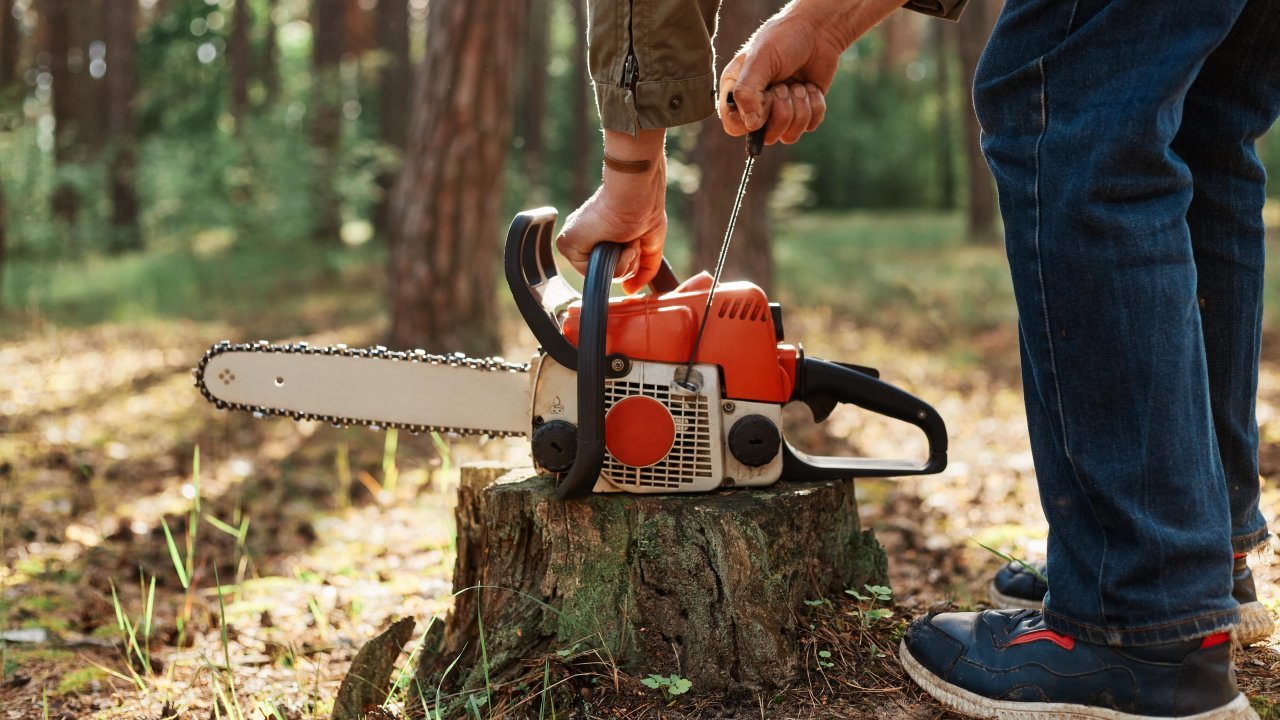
(1000, 600)
(1255, 625)
(973, 705)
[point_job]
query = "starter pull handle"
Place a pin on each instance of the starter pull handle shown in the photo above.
(823, 384)
(755, 138)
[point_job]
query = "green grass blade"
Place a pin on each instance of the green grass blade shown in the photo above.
(390, 472)
(220, 525)
(151, 604)
(226, 649)
(193, 519)
(175, 555)
(484, 655)
(440, 684)
(1011, 559)
(446, 457)
(115, 602)
(546, 677)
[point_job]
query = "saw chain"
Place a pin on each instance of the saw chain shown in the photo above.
(378, 352)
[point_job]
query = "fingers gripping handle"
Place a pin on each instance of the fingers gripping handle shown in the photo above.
(589, 459)
(537, 287)
(754, 139)
(824, 380)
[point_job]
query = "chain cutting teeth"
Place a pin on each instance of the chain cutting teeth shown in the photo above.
(493, 364)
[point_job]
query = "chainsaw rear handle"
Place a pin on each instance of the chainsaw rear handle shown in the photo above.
(822, 385)
(580, 480)
(539, 290)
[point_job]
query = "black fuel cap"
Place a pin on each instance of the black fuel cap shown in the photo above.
(754, 440)
(555, 444)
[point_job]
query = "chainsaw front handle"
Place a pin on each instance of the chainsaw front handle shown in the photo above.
(580, 480)
(539, 290)
(822, 385)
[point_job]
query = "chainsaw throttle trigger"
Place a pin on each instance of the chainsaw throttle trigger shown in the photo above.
(823, 384)
(580, 480)
(540, 292)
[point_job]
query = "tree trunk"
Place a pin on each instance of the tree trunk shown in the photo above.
(583, 109)
(706, 586)
(720, 158)
(974, 29)
(270, 60)
(534, 107)
(900, 41)
(66, 203)
(238, 56)
(87, 52)
(360, 34)
(393, 92)
(328, 23)
(9, 42)
(121, 84)
(944, 54)
(445, 205)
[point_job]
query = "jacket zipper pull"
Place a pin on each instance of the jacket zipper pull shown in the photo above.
(630, 72)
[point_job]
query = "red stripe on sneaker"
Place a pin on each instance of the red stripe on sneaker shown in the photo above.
(1215, 639)
(1237, 556)
(1062, 641)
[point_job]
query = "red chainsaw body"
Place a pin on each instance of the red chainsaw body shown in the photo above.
(740, 337)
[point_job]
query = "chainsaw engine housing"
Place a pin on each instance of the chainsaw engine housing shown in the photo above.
(659, 436)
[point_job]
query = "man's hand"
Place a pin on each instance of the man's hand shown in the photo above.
(781, 75)
(628, 208)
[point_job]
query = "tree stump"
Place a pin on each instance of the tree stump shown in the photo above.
(705, 586)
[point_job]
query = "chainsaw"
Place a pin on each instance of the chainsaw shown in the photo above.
(677, 390)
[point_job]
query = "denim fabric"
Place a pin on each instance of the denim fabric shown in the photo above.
(1120, 134)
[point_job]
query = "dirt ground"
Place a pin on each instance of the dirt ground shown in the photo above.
(309, 540)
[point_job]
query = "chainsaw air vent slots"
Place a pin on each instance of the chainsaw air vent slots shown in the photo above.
(600, 401)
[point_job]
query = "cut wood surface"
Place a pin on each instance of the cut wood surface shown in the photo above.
(704, 586)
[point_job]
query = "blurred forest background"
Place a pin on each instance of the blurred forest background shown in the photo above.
(173, 172)
(157, 143)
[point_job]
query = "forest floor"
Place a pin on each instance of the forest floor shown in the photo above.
(276, 549)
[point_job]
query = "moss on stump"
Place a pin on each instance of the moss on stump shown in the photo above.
(706, 586)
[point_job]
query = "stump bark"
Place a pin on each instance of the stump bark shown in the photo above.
(709, 587)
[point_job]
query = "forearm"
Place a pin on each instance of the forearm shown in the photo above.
(644, 145)
(843, 21)
(643, 180)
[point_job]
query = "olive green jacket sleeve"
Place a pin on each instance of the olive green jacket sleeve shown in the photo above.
(947, 9)
(652, 62)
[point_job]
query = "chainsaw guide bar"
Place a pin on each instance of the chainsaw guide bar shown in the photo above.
(482, 395)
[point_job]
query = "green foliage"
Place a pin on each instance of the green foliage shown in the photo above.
(1267, 708)
(670, 685)
(878, 146)
(866, 610)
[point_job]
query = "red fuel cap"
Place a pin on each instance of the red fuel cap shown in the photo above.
(639, 431)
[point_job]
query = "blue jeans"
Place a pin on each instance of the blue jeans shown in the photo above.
(1121, 136)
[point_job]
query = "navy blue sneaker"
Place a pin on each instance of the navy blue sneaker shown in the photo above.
(1019, 586)
(1008, 664)
(1016, 586)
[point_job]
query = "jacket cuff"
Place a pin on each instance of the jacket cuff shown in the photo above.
(655, 104)
(946, 9)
